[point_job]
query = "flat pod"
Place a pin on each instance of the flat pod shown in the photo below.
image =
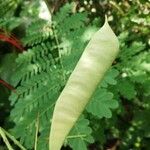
(89, 71)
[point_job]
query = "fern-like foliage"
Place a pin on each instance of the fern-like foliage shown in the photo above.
(37, 32)
(8, 21)
(52, 50)
(8, 7)
(133, 73)
(40, 79)
(10, 24)
(42, 71)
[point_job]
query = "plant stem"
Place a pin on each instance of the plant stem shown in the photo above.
(13, 139)
(5, 139)
(7, 85)
(59, 51)
(76, 136)
(117, 7)
(36, 133)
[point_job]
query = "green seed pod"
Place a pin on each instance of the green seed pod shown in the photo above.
(89, 71)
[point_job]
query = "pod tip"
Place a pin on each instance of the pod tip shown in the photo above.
(106, 20)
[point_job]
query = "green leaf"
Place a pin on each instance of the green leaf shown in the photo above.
(8, 67)
(102, 103)
(126, 89)
(80, 135)
(110, 78)
(143, 123)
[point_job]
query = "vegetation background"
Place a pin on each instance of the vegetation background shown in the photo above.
(51, 36)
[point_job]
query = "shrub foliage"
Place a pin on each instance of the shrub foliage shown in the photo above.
(119, 109)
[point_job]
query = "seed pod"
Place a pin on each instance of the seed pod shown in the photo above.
(89, 71)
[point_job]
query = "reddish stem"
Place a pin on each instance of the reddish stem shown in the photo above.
(8, 85)
(12, 40)
(15, 42)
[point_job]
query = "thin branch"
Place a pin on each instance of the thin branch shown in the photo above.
(36, 133)
(59, 50)
(117, 7)
(76, 136)
(5, 139)
(7, 85)
(13, 139)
